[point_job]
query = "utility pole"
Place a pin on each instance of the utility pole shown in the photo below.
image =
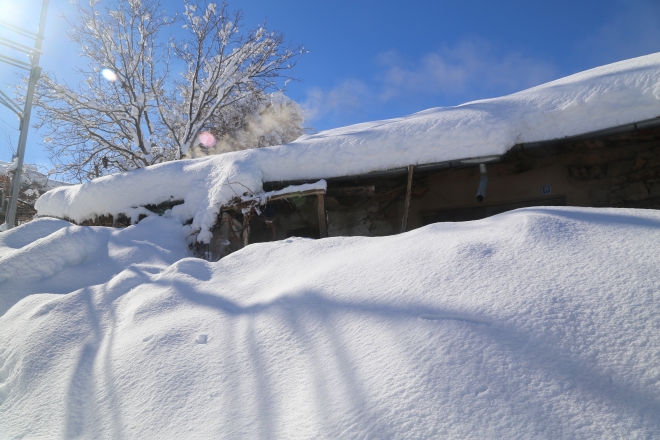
(24, 116)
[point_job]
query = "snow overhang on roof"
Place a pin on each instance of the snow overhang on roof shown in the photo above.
(473, 161)
(603, 98)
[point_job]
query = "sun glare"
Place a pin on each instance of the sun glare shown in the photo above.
(18, 13)
(109, 75)
(207, 139)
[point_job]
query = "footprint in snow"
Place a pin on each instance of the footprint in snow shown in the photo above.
(480, 390)
(201, 339)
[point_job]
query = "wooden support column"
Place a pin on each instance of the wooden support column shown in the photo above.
(323, 226)
(246, 229)
(227, 220)
(406, 208)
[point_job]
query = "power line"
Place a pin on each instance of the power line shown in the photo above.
(24, 116)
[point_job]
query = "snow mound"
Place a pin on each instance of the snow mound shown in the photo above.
(54, 256)
(608, 96)
(536, 323)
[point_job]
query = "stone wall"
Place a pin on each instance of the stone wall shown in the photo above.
(629, 177)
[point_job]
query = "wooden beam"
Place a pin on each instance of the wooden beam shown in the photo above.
(227, 218)
(406, 208)
(309, 192)
(241, 205)
(246, 229)
(323, 226)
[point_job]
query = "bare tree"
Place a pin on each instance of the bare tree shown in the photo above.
(146, 97)
(6, 133)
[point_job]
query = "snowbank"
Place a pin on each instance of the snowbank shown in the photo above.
(537, 323)
(612, 95)
(53, 256)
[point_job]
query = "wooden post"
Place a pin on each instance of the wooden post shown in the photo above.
(406, 208)
(323, 226)
(246, 229)
(227, 219)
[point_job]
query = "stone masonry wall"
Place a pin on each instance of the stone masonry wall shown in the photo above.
(618, 170)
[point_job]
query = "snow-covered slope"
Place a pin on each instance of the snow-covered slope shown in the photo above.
(537, 323)
(619, 93)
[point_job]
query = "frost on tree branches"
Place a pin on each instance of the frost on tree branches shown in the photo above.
(147, 96)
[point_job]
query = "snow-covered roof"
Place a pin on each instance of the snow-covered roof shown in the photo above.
(600, 98)
(31, 175)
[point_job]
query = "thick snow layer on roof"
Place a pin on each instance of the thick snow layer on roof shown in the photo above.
(608, 96)
(537, 323)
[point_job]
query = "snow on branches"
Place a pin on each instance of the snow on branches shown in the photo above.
(147, 97)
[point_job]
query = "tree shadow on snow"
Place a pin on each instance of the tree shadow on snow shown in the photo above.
(308, 313)
(547, 357)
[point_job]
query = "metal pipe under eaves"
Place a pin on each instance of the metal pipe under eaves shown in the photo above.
(483, 181)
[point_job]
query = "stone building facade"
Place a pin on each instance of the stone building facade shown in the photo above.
(617, 168)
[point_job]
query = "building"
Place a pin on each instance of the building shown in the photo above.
(617, 167)
(591, 139)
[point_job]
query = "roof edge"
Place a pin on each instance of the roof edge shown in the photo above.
(474, 161)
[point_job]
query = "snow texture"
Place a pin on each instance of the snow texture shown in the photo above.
(608, 96)
(537, 323)
(54, 256)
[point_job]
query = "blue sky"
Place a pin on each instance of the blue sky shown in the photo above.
(381, 59)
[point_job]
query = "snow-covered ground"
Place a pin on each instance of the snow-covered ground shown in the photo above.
(608, 96)
(536, 323)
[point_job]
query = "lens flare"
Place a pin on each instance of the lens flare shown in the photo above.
(206, 139)
(109, 75)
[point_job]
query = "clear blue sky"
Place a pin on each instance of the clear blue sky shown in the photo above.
(380, 59)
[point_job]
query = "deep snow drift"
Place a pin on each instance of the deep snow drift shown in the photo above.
(608, 96)
(53, 256)
(537, 323)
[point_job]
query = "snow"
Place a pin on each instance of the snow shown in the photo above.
(536, 323)
(54, 256)
(321, 185)
(611, 95)
(31, 174)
